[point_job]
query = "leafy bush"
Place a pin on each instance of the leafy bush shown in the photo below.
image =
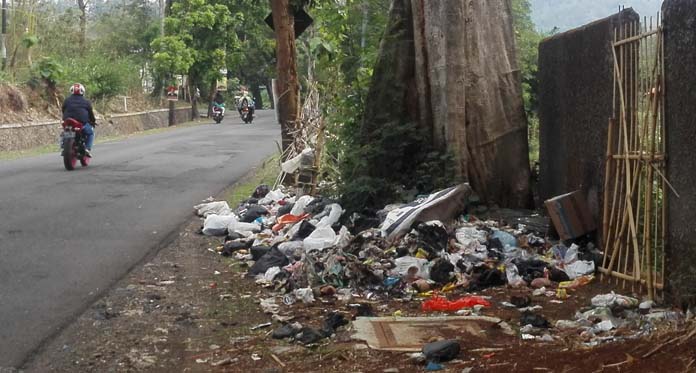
(48, 71)
(103, 78)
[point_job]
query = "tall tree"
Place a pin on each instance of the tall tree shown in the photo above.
(288, 85)
(82, 5)
(451, 68)
(202, 30)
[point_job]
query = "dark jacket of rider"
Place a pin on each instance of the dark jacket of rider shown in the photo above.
(78, 108)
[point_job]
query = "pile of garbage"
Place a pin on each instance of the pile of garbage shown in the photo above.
(301, 247)
(300, 243)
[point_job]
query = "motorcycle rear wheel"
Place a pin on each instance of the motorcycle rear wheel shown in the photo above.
(69, 156)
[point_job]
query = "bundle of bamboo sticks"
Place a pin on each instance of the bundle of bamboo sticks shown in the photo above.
(634, 201)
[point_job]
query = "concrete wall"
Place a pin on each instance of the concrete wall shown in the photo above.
(29, 135)
(680, 116)
(575, 103)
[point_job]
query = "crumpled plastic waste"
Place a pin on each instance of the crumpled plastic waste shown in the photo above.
(320, 238)
(505, 238)
(470, 237)
(292, 164)
(513, 277)
(306, 295)
(217, 225)
(442, 304)
(300, 205)
(612, 300)
(441, 351)
(335, 212)
(273, 258)
(406, 264)
(217, 208)
(445, 204)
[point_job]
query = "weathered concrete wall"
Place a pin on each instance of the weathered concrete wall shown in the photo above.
(575, 103)
(27, 136)
(680, 115)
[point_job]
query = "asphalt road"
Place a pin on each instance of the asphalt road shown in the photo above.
(65, 237)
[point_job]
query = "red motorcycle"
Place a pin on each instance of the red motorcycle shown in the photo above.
(73, 144)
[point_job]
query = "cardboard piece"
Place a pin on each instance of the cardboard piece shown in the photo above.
(411, 333)
(570, 215)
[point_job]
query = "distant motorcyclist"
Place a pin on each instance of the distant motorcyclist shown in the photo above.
(77, 107)
(246, 101)
(219, 101)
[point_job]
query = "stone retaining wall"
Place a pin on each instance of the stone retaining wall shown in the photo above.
(29, 135)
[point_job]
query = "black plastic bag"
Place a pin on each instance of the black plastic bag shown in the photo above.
(441, 271)
(273, 258)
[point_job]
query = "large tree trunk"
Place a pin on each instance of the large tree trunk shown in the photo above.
(193, 85)
(269, 90)
(256, 92)
(82, 4)
(450, 67)
(470, 93)
(211, 96)
(288, 86)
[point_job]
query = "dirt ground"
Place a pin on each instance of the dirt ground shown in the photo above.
(190, 310)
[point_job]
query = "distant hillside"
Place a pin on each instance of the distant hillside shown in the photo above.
(567, 14)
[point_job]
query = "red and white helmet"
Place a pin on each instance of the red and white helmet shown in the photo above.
(77, 89)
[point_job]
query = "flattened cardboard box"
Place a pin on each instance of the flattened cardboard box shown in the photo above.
(570, 215)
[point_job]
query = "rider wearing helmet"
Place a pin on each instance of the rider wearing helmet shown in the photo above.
(76, 106)
(246, 101)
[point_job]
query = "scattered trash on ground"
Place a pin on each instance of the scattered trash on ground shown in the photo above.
(434, 254)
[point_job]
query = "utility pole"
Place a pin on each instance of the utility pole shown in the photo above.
(3, 49)
(286, 55)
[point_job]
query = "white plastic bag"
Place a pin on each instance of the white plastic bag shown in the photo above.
(404, 263)
(513, 276)
(271, 273)
(289, 248)
(320, 238)
(271, 197)
(292, 164)
(245, 229)
(332, 217)
(216, 225)
(217, 208)
(299, 207)
(579, 268)
(306, 295)
(343, 238)
(469, 237)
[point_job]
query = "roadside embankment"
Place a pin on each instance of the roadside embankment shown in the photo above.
(22, 136)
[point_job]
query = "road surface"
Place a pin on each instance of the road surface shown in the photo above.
(65, 237)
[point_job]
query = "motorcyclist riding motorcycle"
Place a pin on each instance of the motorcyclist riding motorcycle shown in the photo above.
(77, 107)
(246, 101)
(219, 101)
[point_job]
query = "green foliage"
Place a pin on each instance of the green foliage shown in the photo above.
(103, 79)
(30, 40)
(47, 70)
(198, 35)
(172, 56)
(527, 39)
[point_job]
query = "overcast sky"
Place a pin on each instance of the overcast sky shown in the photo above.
(567, 14)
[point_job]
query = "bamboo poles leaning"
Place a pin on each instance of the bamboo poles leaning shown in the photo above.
(635, 193)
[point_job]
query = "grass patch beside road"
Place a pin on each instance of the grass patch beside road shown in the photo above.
(266, 173)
